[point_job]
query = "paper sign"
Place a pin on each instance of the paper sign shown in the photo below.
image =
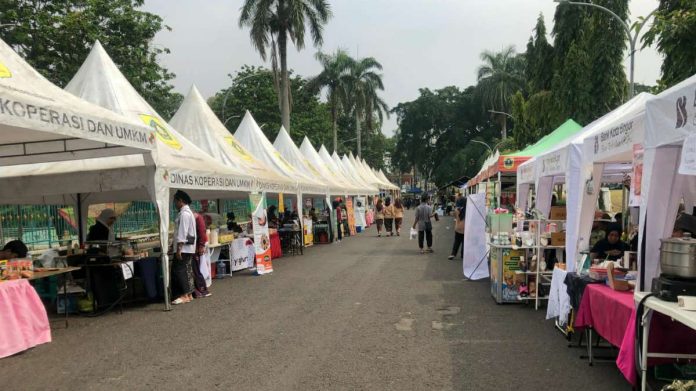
(127, 270)
(687, 166)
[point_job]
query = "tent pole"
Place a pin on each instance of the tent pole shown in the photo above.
(80, 227)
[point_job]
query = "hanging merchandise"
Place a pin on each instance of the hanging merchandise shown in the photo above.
(262, 238)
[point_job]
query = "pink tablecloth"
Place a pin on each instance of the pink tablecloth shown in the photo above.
(666, 336)
(607, 311)
(23, 319)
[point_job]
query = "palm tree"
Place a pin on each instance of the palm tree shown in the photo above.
(500, 77)
(272, 23)
(333, 78)
(375, 105)
(363, 82)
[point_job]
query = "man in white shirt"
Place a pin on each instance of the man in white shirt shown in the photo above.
(184, 244)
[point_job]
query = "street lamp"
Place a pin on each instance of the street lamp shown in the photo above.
(504, 131)
(501, 112)
(224, 101)
(484, 144)
(632, 39)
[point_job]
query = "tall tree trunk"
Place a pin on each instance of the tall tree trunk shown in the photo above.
(284, 90)
(358, 132)
(368, 123)
(334, 122)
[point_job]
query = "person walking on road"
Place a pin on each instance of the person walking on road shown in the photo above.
(379, 217)
(398, 215)
(425, 227)
(388, 216)
(459, 214)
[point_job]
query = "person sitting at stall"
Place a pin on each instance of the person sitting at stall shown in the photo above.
(685, 224)
(313, 215)
(611, 247)
(232, 224)
(14, 249)
(102, 230)
(272, 218)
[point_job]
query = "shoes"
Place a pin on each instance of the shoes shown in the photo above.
(451, 257)
(179, 301)
(430, 250)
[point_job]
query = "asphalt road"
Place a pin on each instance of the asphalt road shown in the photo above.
(366, 314)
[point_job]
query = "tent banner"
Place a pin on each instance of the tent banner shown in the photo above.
(510, 163)
(618, 139)
(360, 219)
(526, 172)
(637, 177)
(351, 215)
(308, 231)
(554, 163)
(262, 238)
(475, 265)
(189, 179)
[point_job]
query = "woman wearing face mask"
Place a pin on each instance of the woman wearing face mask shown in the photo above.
(611, 247)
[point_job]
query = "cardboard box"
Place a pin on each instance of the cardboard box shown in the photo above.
(558, 238)
(557, 213)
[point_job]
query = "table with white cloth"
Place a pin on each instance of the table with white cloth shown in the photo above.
(23, 318)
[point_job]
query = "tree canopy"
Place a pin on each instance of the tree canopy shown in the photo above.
(55, 37)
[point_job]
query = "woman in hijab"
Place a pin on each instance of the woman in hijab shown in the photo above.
(102, 230)
(611, 247)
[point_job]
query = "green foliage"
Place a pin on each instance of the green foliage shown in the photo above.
(606, 44)
(539, 59)
(521, 133)
(362, 85)
(252, 89)
(500, 76)
(573, 88)
(674, 31)
(56, 36)
(435, 133)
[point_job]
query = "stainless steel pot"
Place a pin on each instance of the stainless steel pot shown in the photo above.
(678, 257)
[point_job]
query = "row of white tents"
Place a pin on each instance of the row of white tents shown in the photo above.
(652, 140)
(100, 141)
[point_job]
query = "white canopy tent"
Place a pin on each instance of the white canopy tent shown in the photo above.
(350, 171)
(39, 122)
(564, 164)
(359, 172)
(668, 174)
(337, 167)
(179, 164)
(199, 124)
(375, 177)
(252, 138)
(526, 176)
(383, 177)
(340, 186)
(289, 151)
(607, 157)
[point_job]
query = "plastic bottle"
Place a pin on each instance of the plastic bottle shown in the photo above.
(220, 269)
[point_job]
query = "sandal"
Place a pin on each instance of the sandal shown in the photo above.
(422, 251)
(179, 301)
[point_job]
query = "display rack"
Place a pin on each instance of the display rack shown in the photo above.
(506, 275)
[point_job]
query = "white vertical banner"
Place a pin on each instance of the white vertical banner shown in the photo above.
(475, 262)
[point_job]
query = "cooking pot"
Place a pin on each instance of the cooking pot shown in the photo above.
(678, 257)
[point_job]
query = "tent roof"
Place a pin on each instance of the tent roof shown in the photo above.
(557, 160)
(288, 150)
(182, 163)
(39, 122)
(384, 178)
(336, 166)
(360, 172)
(566, 131)
(670, 114)
(198, 123)
(252, 138)
(350, 171)
(327, 172)
(367, 172)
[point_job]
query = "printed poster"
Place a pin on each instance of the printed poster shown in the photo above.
(637, 178)
(262, 237)
(351, 215)
(308, 231)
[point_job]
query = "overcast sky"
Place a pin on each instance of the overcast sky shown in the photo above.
(420, 43)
